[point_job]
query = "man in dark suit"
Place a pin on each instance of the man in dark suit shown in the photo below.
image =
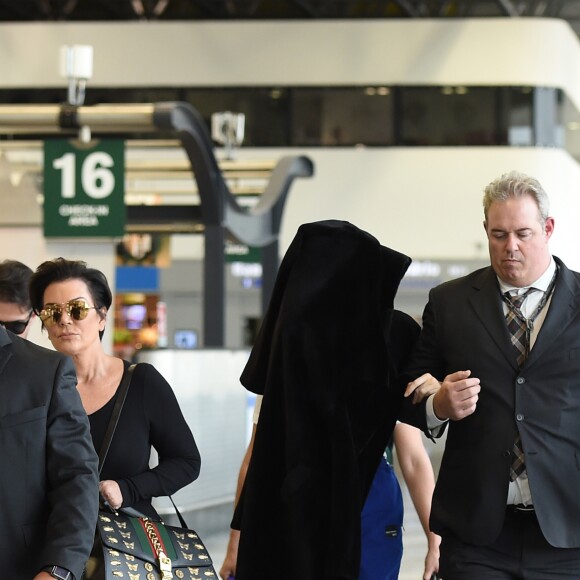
(48, 466)
(506, 389)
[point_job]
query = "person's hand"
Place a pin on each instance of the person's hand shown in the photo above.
(228, 569)
(457, 397)
(432, 557)
(43, 576)
(422, 387)
(111, 493)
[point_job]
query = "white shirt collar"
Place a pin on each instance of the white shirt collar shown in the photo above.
(541, 283)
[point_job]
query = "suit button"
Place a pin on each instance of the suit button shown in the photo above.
(520, 380)
(519, 417)
(506, 453)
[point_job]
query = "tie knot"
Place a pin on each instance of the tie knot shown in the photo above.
(518, 299)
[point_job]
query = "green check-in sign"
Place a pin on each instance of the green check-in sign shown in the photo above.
(84, 188)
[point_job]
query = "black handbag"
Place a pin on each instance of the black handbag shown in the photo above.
(130, 545)
(141, 548)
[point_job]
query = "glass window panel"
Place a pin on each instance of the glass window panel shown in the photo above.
(440, 116)
(517, 110)
(346, 116)
(342, 116)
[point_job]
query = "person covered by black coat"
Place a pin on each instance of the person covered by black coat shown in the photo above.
(322, 363)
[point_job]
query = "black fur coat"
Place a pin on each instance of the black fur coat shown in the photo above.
(323, 363)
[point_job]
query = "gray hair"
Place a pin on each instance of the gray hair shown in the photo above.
(515, 185)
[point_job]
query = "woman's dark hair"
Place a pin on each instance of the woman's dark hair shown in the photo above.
(59, 270)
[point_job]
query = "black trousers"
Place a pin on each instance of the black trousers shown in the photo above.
(520, 553)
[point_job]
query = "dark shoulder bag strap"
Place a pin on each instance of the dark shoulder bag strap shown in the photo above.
(179, 516)
(121, 396)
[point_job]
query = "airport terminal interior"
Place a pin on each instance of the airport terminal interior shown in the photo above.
(205, 132)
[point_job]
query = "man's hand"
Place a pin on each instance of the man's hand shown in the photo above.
(457, 397)
(422, 387)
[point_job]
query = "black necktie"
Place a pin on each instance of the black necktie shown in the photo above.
(518, 328)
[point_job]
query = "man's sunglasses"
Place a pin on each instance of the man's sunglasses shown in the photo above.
(17, 326)
(76, 309)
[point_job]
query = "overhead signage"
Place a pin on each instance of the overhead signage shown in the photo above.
(242, 253)
(84, 188)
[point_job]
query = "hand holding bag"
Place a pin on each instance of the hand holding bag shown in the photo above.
(131, 545)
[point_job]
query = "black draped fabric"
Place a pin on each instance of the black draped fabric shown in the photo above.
(322, 362)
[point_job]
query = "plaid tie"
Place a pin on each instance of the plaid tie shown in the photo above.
(516, 324)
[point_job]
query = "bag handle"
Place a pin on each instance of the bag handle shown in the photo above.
(121, 396)
(179, 516)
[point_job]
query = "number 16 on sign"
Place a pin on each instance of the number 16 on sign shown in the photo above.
(84, 193)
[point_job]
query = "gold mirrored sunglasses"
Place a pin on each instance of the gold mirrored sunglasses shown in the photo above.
(76, 309)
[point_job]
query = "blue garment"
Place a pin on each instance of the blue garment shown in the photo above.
(382, 527)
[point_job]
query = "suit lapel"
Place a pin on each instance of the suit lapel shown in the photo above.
(563, 309)
(487, 305)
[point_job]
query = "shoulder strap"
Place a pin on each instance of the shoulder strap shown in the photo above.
(179, 516)
(121, 396)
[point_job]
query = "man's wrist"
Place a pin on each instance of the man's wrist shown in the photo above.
(433, 422)
(59, 572)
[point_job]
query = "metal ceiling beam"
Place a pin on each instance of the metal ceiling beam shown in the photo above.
(212, 8)
(308, 8)
(116, 9)
(67, 119)
(509, 7)
(540, 8)
(408, 7)
(446, 7)
(102, 10)
(556, 8)
(57, 10)
(149, 9)
(11, 10)
(243, 8)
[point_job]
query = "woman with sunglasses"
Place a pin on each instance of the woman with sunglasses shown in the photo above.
(72, 301)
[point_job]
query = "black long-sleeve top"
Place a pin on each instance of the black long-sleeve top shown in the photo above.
(151, 417)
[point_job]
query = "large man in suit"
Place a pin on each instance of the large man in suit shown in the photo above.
(48, 466)
(501, 394)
